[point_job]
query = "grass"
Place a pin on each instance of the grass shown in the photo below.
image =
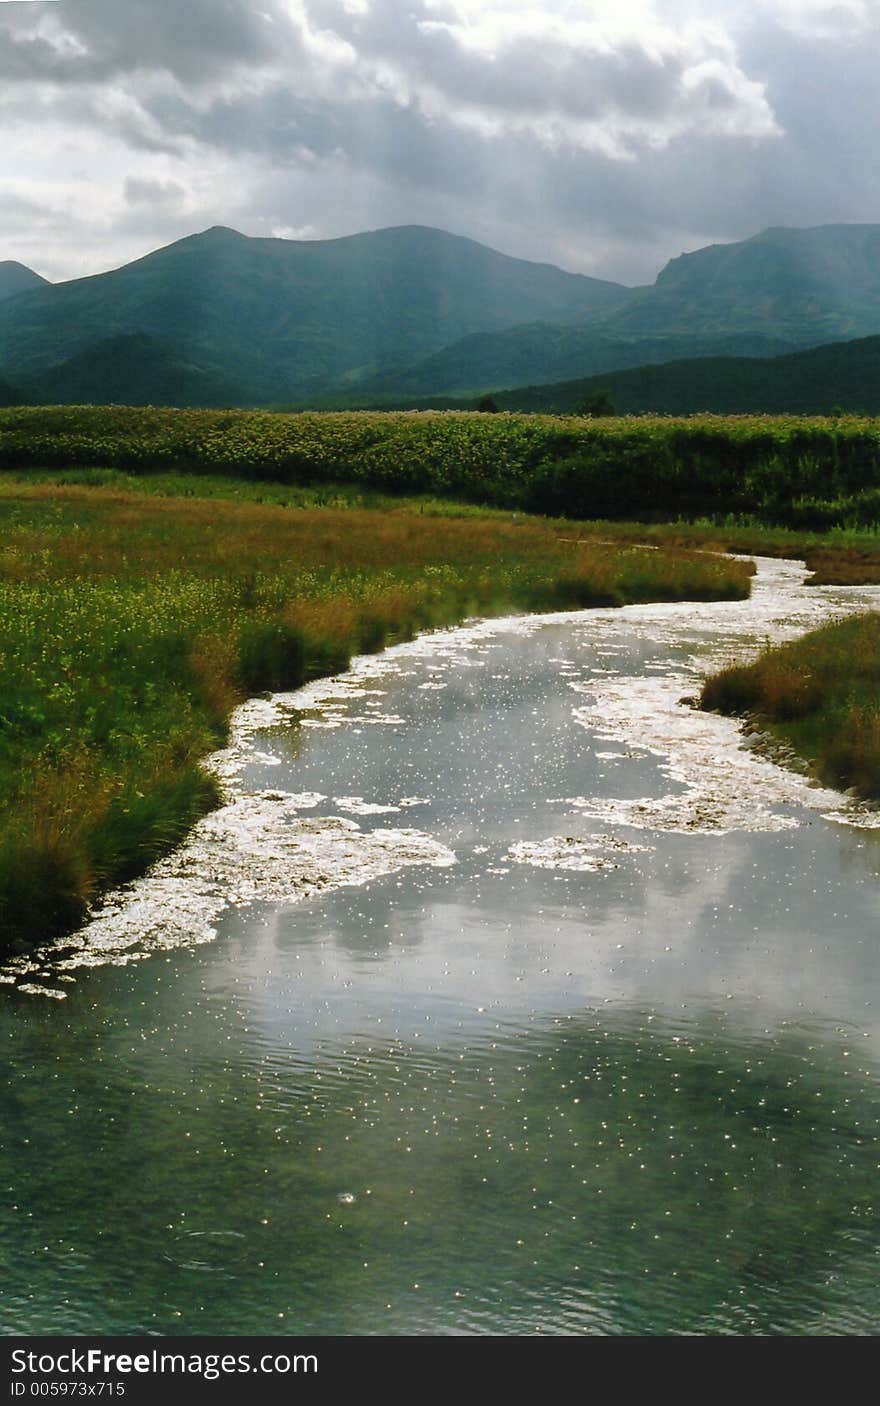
(820, 695)
(134, 617)
(837, 556)
(805, 473)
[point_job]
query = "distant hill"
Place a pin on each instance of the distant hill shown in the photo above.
(780, 291)
(11, 395)
(16, 278)
(285, 319)
(803, 285)
(843, 375)
(134, 369)
(542, 352)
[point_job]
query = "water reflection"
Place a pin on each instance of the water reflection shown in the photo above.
(604, 1172)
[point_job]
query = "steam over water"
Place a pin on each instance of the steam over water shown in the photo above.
(507, 994)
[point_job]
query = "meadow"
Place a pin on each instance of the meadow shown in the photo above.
(135, 615)
(801, 473)
(820, 696)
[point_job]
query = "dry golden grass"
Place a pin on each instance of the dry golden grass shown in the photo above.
(843, 566)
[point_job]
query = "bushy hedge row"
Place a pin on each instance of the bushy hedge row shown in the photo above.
(784, 470)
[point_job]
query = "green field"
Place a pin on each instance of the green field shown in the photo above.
(156, 567)
(800, 473)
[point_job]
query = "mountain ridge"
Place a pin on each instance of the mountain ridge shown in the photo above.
(841, 376)
(17, 278)
(285, 317)
(412, 311)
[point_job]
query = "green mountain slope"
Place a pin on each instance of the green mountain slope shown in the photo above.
(803, 285)
(11, 395)
(17, 278)
(780, 291)
(413, 313)
(134, 369)
(541, 352)
(285, 318)
(843, 375)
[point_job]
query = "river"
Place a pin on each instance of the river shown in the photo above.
(508, 995)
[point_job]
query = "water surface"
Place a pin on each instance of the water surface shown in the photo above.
(509, 995)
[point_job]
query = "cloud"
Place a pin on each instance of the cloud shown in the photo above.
(607, 136)
(606, 83)
(87, 41)
(848, 19)
(154, 193)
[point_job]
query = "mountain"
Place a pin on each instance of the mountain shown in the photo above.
(542, 352)
(134, 369)
(16, 278)
(843, 375)
(11, 395)
(286, 319)
(413, 313)
(803, 285)
(780, 291)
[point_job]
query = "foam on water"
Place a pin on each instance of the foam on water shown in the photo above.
(256, 848)
(723, 782)
(585, 854)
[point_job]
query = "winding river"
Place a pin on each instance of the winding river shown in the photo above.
(507, 995)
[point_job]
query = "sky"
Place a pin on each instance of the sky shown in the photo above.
(603, 137)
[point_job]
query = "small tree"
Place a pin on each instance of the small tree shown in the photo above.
(487, 404)
(596, 405)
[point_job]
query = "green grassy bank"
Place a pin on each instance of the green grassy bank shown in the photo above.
(839, 555)
(797, 472)
(820, 695)
(132, 621)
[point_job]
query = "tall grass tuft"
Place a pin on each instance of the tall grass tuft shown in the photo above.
(821, 695)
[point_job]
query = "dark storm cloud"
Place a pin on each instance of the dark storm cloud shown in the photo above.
(827, 94)
(90, 40)
(374, 133)
(563, 71)
(608, 137)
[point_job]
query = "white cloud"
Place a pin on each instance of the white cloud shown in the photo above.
(603, 78)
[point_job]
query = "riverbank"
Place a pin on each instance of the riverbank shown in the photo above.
(820, 696)
(131, 625)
